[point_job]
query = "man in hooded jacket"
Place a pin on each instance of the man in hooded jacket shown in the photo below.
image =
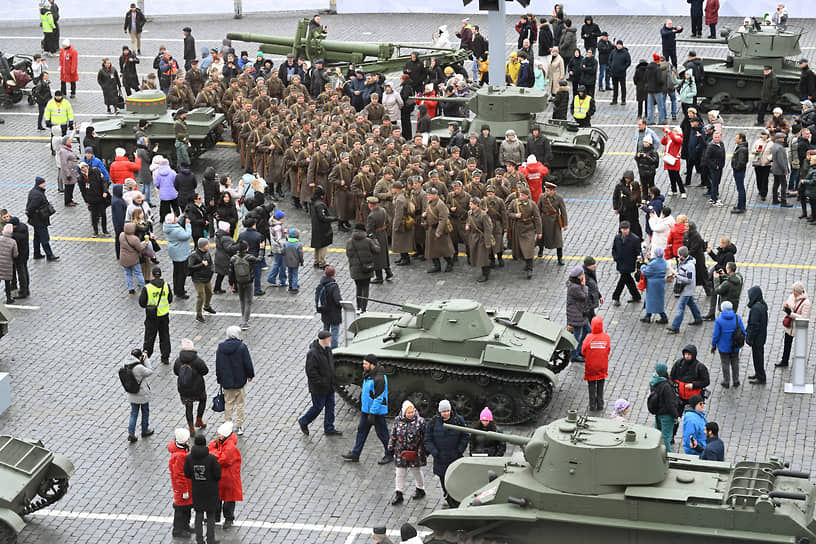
(595, 349)
(203, 469)
(756, 333)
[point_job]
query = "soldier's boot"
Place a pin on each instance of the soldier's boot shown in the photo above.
(560, 254)
(529, 268)
(492, 260)
(540, 245)
(467, 252)
(437, 267)
(499, 259)
(388, 274)
(485, 274)
(403, 260)
(378, 278)
(449, 264)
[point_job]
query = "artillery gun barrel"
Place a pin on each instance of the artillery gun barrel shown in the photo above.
(366, 49)
(460, 99)
(509, 438)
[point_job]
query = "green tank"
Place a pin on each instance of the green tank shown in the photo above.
(734, 83)
(575, 150)
(584, 479)
(456, 349)
(204, 125)
(31, 478)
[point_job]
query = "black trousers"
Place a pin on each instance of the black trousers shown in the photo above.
(405, 124)
(228, 508)
(779, 191)
(786, 348)
(618, 83)
(68, 195)
(165, 206)
(63, 88)
(160, 326)
(361, 287)
(625, 280)
(758, 357)
(676, 181)
(696, 25)
(116, 234)
(596, 402)
(179, 276)
(199, 526)
(98, 216)
(40, 113)
(181, 519)
(188, 408)
(21, 272)
(762, 173)
(9, 298)
(762, 107)
(713, 30)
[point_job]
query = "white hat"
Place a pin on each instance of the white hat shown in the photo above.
(777, 110)
(225, 429)
(66, 42)
(531, 158)
(182, 435)
(466, 20)
(648, 139)
(444, 405)
(120, 152)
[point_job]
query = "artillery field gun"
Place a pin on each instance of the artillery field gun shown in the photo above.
(584, 479)
(371, 57)
(575, 150)
(734, 83)
(31, 478)
(203, 124)
(456, 349)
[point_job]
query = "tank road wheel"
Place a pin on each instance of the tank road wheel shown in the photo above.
(560, 361)
(502, 406)
(422, 402)
(7, 534)
(464, 405)
(536, 395)
(482, 380)
(581, 165)
(789, 102)
(346, 372)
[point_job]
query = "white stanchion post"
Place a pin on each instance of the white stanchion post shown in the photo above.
(800, 355)
(349, 315)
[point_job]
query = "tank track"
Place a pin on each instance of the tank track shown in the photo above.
(512, 397)
(50, 491)
(450, 537)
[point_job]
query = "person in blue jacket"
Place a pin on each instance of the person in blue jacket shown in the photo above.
(374, 400)
(721, 341)
(655, 273)
(179, 233)
(694, 422)
(445, 445)
(94, 162)
(714, 449)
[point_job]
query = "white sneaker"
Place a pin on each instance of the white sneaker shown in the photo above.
(710, 202)
(683, 195)
(239, 431)
(718, 204)
(673, 193)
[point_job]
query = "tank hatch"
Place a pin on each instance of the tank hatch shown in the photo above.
(150, 103)
(456, 320)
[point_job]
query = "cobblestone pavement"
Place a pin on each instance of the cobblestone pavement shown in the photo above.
(63, 353)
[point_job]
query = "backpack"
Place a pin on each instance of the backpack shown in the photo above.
(653, 401)
(242, 269)
(321, 302)
(185, 376)
(738, 338)
(128, 379)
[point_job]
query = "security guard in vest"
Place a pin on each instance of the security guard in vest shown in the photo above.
(583, 107)
(155, 299)
(374, 398)
(59, 112)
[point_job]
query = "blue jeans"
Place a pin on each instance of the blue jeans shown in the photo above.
(335, 332)
(604, 77)
(474, 70)
(146, 187)
(673, 97)
(793, 181)
(739, 180)
(278, 272)
(293, 277)
(681, 311)
(134, 415)
(42, 238)
(715, 176)
(320, 402)
(258, 272)
(130, 271)
(579, 335)
(658, 100)
(380, 427)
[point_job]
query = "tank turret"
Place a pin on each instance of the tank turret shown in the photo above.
(590, 479)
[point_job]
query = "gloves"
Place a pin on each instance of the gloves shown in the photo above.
(787, 310)
(71, 125)
(713, 349)
(371, 419)
(48, 123)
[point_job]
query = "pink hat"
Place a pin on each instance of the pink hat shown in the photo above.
(486, 415)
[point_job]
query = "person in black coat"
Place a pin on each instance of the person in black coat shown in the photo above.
(20, 235)
(94, 189)
(322, 232)
(539, 145)
(189, 48)
(197, 215)
(108, 80)
(415, 68)
(118, 212)
(39, 217)
(186, 185)
(545, 39)
(756, 333)
(490, 150)
(320, 375)
(330, 313)
(407, 91)
(696, 10)
(225, 210)
(482, 445)
(625, 252)
(191, 369)
(212, 188)
(590, 32)
(203, 469)
(127, 68)
(445, 445)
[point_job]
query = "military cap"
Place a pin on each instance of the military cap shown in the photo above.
(344, 155)
(325, 128)
(390, 141)
(372, 200)
(433, 191)
(455, 149)
(525, 190)
(471, 160)
(438, 162)
(433, 174)
(473, 135)
(500, 171)
(322, 141)
(434, 138)
(510, 161)
(477, 173)
(476, 200)
(416, 158)
(490, 189)
(373, 149)
(550, 185)
(388, 170)
(386, 117)
(453, 124)
(457, 183)
(396, 185)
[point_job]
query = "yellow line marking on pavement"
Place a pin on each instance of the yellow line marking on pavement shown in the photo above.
(545, 258)
(18, 138)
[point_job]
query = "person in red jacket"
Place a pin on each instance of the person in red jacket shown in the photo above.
(68, 59)
(535, 172)
(675, 239)
(430, 104)
(673, 140)
(121, 168)
(225, 449)
(595, 349)
(182, 485)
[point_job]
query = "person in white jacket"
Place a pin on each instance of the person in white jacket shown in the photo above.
(660, 225)
(392, 101)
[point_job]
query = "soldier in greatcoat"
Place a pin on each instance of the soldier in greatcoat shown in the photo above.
(420, 199)
(340, 179)
(319, 167)
(362, 187)
(495, 208)
(275, 161)
(437, 236)
(480, 231)
(458, 202)
(376, 227)
(402, 232)
(553, 212)
(525, 228)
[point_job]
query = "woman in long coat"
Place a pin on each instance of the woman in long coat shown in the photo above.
(230, 489)
(655, 273)
(407, 446)
(108, 79)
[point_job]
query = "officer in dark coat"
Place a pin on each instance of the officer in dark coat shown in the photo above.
(539, 145)
(203, 469)
(756, 333)
(320, 373)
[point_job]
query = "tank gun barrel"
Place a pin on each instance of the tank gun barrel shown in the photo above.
(509, 438)
(405, 307)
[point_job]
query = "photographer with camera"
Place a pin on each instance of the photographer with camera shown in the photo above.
(140, 400)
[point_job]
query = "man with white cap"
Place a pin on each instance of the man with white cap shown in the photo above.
(179, 448)
(233, 369)
(445, 445)
(511, 149)
(230, 489)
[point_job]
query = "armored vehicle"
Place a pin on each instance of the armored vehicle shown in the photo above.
(734, 83)
(575, 150)
(456, 349)
(383, 57)
(204, 125)
(584, 479)
(32, 478)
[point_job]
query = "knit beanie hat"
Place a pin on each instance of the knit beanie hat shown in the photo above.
(407, 531)
(662, 369)
(486, 415)
(577, 271)
(444, 405)
(202, 243)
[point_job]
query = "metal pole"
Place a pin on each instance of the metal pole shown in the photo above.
(238, 9)
(800, 352)
(495, 29)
